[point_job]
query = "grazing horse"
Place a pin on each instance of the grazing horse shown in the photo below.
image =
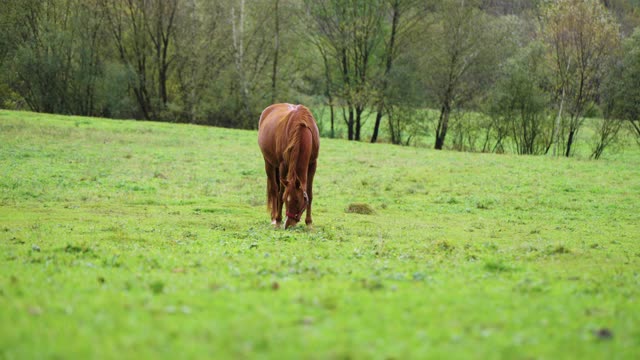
(289, 141)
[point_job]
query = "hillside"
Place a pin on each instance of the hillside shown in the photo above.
(143, 239)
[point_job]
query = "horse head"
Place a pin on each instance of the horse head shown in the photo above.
(296, 201)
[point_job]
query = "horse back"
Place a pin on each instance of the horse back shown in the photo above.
(273, 129)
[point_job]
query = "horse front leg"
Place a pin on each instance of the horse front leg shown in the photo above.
(312, 171)
(279, 174)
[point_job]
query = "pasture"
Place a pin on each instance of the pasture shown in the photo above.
(122, 239)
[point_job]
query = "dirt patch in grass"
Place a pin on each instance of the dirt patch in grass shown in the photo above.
(360, 208)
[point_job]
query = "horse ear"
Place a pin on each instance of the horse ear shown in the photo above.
(298, 184)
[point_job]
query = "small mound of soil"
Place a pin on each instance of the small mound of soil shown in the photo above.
(360, 208)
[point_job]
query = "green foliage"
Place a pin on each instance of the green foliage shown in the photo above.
(620, 97)
(122, 239)
(580, 35)
(466, 48)
(377, 65)
(628, 91)
(350, 35)
(52, 63)
(519, 103)
(403, 98)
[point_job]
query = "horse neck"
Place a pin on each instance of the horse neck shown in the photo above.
(300, 154)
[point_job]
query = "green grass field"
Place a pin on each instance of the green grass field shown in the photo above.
(128, 240)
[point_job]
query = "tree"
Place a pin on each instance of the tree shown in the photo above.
(53, 54)
(203, 29)
(143, 32)
(350, 31)
(606, 133)
(461, 46)
(126, 21)
(519, 101)
(161, 29)
(276, 50)
(13, 32)
(251, 37)
(580, 34)
(328, 82)
(221, 62)
(404, 16)
(627, 93)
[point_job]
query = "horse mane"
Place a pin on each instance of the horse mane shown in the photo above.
(300, 119)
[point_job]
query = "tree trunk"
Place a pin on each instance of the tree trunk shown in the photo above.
(276, 50)
(328, 88)
(392, 131)
(142, 102)
(350, 124)
(556, 128)
(572, 133)
(345, 74)
(390, 50)
(161, 38)
(333, 134)
(359, 111)
(238, 46)
(374, 137)
(163, 87)
(443, 124)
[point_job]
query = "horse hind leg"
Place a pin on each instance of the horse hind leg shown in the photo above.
(272, 194)
(277, 196)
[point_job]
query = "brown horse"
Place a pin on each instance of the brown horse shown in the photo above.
(289, 140)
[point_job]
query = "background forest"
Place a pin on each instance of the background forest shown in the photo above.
(521, 76)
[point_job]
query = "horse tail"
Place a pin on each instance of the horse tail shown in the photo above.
(273, 193)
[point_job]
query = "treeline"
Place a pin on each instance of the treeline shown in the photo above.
(498, 75)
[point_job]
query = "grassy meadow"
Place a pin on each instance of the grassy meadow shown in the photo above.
(127, 240)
